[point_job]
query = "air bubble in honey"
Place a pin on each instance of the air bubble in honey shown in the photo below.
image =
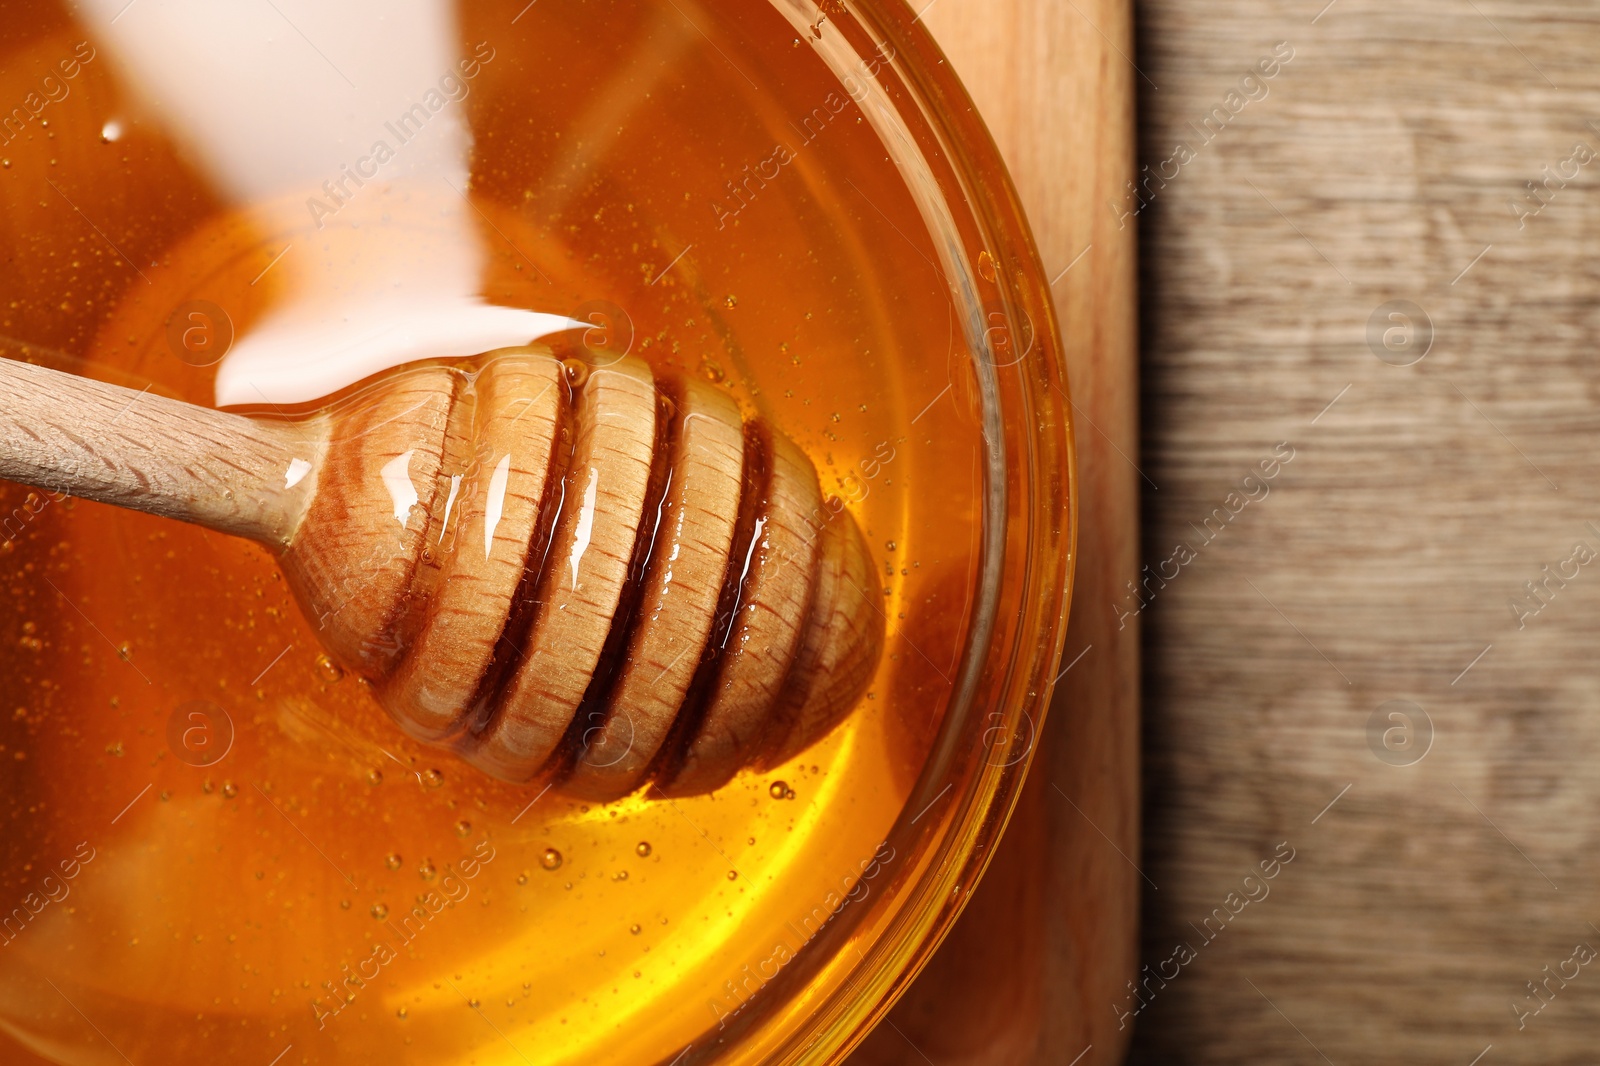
(393, 861)
(329, 670)
(463, 829)
(577, 372)
(380, 911)
(551, 859)
(779, 790)
(642, 849)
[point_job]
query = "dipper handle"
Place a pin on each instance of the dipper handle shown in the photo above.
(63, 433)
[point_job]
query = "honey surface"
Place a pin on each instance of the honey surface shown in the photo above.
(217, 848)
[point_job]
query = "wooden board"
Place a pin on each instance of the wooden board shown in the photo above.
(1048, 940)
(1382, 562)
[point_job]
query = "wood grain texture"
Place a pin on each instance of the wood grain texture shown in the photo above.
(691, 541)
(843, 637)
(768, 621)
(1047, 943)
(583, 576)
(128, 448)
(354, 559)
(508, 432)
(1389, 559)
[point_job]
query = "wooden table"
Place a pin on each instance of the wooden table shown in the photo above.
(1346, 276)
(1387, 161)
(1031, 969)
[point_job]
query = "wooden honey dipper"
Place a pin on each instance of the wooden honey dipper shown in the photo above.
(588, 575)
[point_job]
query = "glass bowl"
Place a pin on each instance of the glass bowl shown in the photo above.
(796, 203)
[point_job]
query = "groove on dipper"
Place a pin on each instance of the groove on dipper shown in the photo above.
(485, 705)
(756, 478)
(391, 638)
(592, 710)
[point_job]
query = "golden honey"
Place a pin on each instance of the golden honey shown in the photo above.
(217, 847)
